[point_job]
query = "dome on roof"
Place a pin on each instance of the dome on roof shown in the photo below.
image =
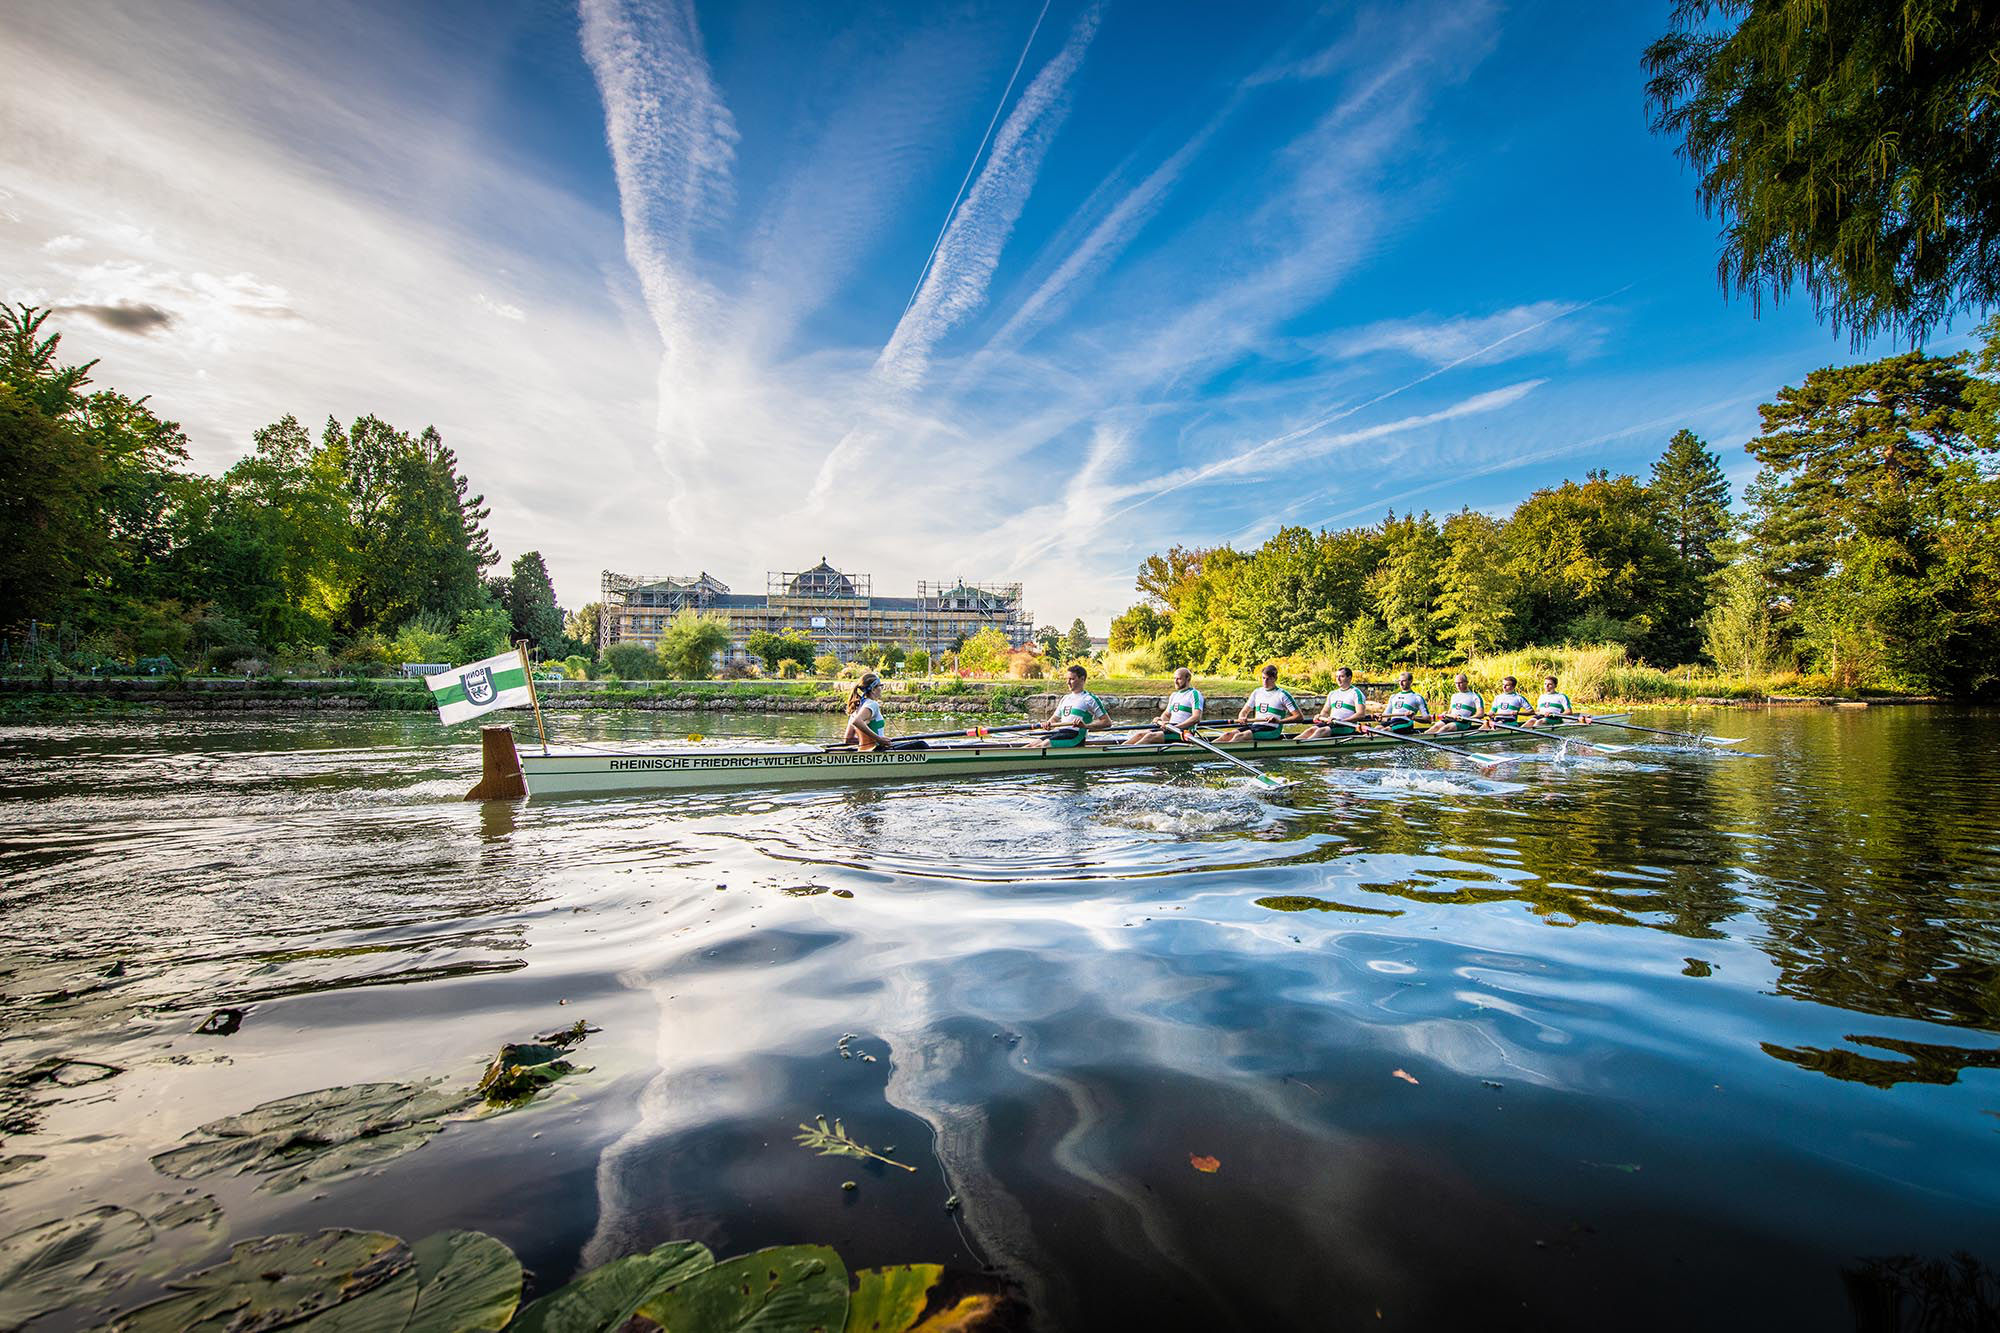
(822, 580)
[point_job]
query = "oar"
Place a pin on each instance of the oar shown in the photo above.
(1656, 731)
(1189, 734)
(962, 731)
(1584, 745)
(1478, 759)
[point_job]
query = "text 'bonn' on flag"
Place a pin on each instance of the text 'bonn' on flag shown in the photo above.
(468, 691)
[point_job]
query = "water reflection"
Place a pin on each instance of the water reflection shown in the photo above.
(1423, 1018)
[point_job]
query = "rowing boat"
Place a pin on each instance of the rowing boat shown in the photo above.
(578, 771)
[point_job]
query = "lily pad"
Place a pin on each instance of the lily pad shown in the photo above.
(786, 1289)
(607, 1296)
(278, 1281)
(523, 1069)
(316, 1135)
(890, 1300)
(458, 1282)
(65, 1263)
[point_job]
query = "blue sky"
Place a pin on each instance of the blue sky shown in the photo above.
(1000, 291)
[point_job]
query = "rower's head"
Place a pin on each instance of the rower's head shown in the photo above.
(1344, 676)
(1461, 682)
(870, 684)
(1508, 684)
(1270, 677)
(1403, 679)
(1077, 675)
(1548, 682)
(1183, 678)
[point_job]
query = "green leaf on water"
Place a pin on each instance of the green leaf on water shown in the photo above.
(890, 1300)
(72, 1260)
(279, 1281)
(834, 1141)
(458, 1282)
(317, 1135)
(786, 1289)
(608, 1295)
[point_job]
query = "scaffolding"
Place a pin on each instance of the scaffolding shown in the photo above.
(638, 606)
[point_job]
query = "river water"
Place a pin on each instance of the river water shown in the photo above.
(1665, 1038)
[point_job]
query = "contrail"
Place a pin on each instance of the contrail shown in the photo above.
(973, 165)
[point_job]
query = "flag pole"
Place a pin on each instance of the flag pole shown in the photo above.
(521, 651)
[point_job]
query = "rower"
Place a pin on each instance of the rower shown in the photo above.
(1554, 708)
(1182, 713)
(1264, 714)
(1465, 709)
(1508, 705)
(1405, 708)
(1344, 704)
(1076, 714)
(865, 722)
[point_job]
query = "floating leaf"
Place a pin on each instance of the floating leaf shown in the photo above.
(316, 1135)
(523, 1069)
(457, 1282)
(63, 1263)
(1205, 1165)
(789, 1287)
(890, 1300)
(834, 1141)
(276, 1281)
(1406, 1076)
(607, 1296)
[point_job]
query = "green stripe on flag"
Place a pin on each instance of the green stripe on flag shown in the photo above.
(511, 678)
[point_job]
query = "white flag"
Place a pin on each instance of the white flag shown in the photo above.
(468, 691)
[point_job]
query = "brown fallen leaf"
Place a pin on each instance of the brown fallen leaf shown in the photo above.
(1206, 1165)
(1406, 1076)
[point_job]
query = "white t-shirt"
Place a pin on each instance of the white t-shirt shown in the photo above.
(1269, 705)
(1509, 704)
(1555, 701)
(1346, 703)
(1182, 705)
(869, 717)
(1466, 703)
(1079, 709)
(1406, 703)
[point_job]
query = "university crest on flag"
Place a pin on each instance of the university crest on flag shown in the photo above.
(478, 686)
(481, 687)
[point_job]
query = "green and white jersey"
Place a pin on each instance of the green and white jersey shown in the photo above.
(1466, 703)
(1349, 702)
(1406, 703)
(1271, 705)
(869, 716)
(1184, 704)
(1555, 701)
(1510, 704)
(1079, 709)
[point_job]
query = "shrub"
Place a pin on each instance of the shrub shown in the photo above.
(826, 664)
(630, 661)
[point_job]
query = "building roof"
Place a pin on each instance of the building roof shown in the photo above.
(822, 580)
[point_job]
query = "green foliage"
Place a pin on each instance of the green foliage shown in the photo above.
(1692, 495)
(883, 657)
(1597, 547)
(1476, 589)
(772, 649)
(1076, 644)
(917, 660)
(1365, 644)
(582, 626)
(689, 644)
(1405, 587)
(1738, 632)
(826, 664)
(531, 604)
(1140, 624)
(484, 632)
(630, 661)
(1848, 145)
(987, 650)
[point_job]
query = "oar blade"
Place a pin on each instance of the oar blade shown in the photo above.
(1722, 740)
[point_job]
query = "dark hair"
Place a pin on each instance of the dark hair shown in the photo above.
(1271, 670)
(1508, 680)
(1344, 671)
(1079, 671)
(869, 680)
(1548, 680)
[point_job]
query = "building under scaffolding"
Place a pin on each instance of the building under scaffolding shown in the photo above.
(836, 610)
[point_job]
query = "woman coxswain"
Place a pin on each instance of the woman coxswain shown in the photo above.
(865, 722)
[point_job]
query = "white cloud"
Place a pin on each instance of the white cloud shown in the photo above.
(64, 244)
(504, 309)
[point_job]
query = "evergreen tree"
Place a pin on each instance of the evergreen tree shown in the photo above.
(1693, 499)
(1076, 644)
(531, 604)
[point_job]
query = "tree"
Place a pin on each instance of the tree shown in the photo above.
(1597, 547)
(826, 664)
(771, 649)
(883, 657)
(1848, 145)
(1737, 631)
(986, 651)
(483, 632)
(918, 660)
(1140, 624)
(1475, 600)
(1050, 638)
(1404, 588)
(1165, 578)
(1693, 499)
(50, 540)
(631, 661)
(689, 644)
(1292, 593)
(1076, 644)
(531, 603)
(583, 625)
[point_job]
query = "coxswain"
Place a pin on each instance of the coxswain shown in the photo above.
(1345, 706)
(1265, 713)
(1076, 715)
(1405, 708)
(865, 722)
(1464, 711)
(1181, 715)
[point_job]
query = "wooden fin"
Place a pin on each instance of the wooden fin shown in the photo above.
(499, 767)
